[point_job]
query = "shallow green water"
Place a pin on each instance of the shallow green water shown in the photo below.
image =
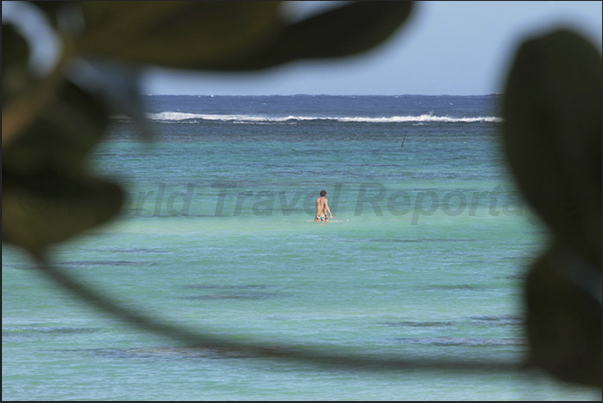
(424, 259)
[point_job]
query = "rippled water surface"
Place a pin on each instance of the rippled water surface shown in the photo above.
(424, 258)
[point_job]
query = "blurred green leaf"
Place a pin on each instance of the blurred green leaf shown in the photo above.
(48, 192)
(15, 57)
(42, 210)
(552, 135)
(119, 85)
(186, 34)
(233, 35)
(345, 31)
(51, 9)
(563, 324)
(62, 137)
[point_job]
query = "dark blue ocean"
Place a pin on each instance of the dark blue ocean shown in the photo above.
(424, 258)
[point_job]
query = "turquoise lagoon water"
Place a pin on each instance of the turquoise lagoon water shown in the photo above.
(424, 258)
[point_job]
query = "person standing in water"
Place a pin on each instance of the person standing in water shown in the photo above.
(322, 208)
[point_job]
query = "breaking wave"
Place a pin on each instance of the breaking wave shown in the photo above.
(196, 117)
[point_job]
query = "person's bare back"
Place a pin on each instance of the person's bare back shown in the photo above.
(322, 208)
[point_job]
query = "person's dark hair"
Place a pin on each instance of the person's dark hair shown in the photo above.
(323, 193)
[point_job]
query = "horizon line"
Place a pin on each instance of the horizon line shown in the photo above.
(328, 95)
